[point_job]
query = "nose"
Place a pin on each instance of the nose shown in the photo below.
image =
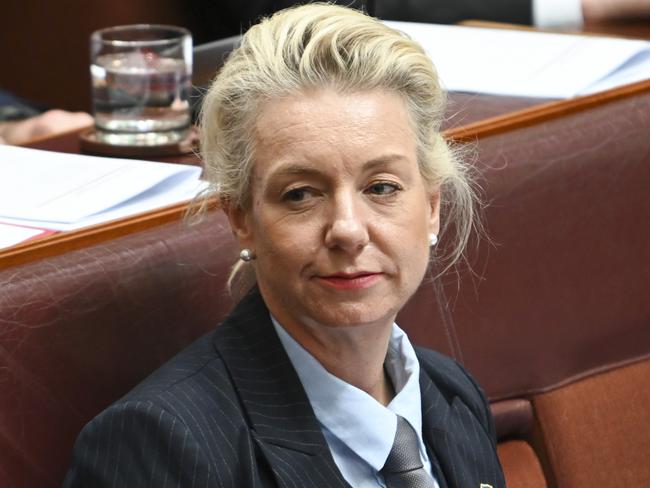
(348, 227)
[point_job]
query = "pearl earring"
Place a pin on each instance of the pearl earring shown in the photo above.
(246, 255)
(433, 239)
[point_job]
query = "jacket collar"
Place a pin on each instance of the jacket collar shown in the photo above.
(281, 418)
(435, 410)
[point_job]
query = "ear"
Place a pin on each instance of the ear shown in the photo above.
(240, 224)
(434, 216)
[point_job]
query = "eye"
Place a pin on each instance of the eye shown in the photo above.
(297, 195)
(383, 188)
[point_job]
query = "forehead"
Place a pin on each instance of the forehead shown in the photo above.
(327, 125)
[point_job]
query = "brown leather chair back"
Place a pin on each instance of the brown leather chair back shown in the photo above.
(563, 291)
(79, 330)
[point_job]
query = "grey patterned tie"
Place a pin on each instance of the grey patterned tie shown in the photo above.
(403, 468)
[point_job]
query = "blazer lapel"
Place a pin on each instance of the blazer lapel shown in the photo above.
(282, 420)
(434, 410)
(454, 437)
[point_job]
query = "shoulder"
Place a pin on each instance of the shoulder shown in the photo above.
(196, 371)
(182, 425)
(456, 383)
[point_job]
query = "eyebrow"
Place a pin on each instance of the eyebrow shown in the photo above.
(384, 161)
(307, 169)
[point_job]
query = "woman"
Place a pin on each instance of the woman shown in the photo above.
(321, 137)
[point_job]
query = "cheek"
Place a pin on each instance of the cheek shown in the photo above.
(411, 238)
(411, 223)
(284, 247)
(406, 245)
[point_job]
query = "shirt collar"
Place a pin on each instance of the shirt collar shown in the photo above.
(350, 414)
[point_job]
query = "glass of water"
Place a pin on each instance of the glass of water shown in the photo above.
(141, 79)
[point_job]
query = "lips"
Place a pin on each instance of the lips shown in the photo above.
(350, 281)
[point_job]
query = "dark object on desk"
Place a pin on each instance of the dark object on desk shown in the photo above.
(208, 59)
(91, 145)
(13, 107)
(224, 18)
(453, 11)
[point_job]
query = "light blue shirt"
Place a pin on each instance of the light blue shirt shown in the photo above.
(358, 429)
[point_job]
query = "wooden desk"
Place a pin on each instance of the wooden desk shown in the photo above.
(469, 118)
(636, 29)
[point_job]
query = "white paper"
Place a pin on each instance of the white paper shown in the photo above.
(146, 202)
(68, 191)
(10, 235)
(531, 64)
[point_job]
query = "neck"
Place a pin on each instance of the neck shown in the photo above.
(354, 354)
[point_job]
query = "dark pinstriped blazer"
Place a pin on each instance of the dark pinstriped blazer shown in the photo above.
(230, 411)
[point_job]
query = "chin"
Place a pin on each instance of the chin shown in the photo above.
(353, 315)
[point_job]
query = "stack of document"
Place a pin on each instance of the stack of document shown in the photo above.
(44, 191)
(527, 63)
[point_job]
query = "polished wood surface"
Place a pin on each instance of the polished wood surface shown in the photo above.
(69, 142)
(543, 111)
(464, 109)
(631, 29)
(634, 29)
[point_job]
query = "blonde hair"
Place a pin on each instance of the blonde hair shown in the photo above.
(322, 45)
